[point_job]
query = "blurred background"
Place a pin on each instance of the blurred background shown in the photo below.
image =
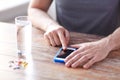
(9, 9)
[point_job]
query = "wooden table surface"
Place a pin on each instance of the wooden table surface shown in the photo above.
(41, 65)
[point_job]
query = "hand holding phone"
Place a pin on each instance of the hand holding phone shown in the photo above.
(62, 54)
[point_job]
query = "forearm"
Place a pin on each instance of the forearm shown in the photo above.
(114, 39)
(40, 18)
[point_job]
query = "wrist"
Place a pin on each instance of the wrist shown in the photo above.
(51, 25)
(114, 44)
(106, 44)
(109, 44)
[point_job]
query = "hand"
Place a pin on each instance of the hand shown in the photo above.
(57, 35)
(88, 53)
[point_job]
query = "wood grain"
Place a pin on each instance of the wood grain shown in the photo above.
(41, 65)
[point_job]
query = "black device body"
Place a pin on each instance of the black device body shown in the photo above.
(62, 54)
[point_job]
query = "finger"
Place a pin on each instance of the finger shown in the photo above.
(47, 39)
(62, 40)
(52, 42)
(90, 63)
(75, 45)
(82, 50)
(71, 55)
(67, 35)
(56, 39)
(81, 61)
(73, 59)
(85, 45)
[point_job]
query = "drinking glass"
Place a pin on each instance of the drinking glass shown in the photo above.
(24, 31)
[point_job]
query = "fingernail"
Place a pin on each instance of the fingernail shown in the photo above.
(66, 64)
(65, 60)
(85, 67)
(64, 48)
(73, 66)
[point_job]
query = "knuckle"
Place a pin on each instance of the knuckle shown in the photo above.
(94, 60)
(85, 57)
(49, 33)
(78, 55)
(54, 45)
(53, 31)
(72, 60)
(60, 29)
(58, 44)
(45, 35)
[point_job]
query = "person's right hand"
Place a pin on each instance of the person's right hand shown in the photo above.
(57, 35)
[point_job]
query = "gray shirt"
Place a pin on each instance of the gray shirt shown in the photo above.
(88, 16)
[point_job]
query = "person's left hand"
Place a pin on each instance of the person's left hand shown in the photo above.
(88, 53)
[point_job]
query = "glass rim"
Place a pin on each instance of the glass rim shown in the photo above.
(22, 20)
(21, 17)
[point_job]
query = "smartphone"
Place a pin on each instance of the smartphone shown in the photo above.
(62, 54)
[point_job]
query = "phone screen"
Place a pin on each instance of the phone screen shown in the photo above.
(64, 53)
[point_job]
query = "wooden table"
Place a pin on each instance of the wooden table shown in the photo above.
(42, 67)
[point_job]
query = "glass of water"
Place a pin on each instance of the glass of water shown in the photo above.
(24, 31)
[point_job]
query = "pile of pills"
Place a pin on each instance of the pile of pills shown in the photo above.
(18, 64)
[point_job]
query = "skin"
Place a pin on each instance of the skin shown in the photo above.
(55, 34)
(92, 52)
(87, 54)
